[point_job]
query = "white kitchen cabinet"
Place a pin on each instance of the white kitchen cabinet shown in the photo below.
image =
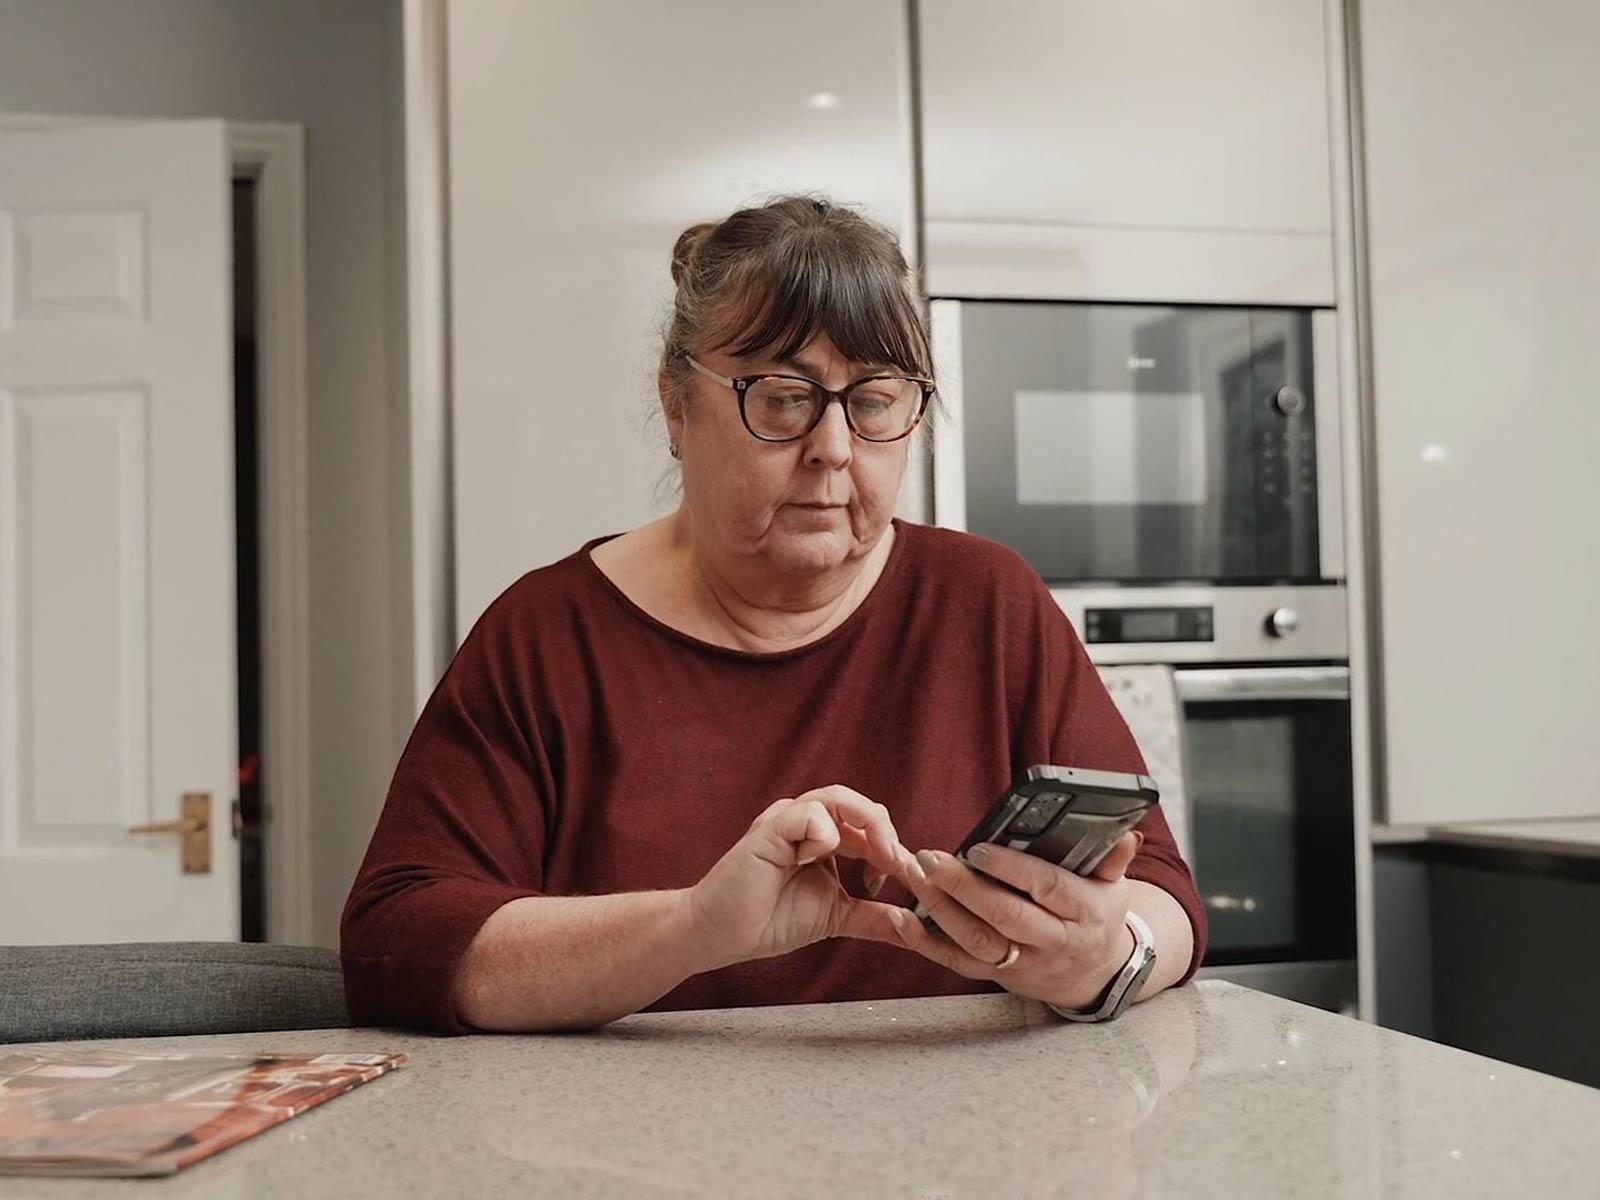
(1127, 149)
(583, 138)
(1482, 173)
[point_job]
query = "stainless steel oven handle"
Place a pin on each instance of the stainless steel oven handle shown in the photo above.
(1211, 685)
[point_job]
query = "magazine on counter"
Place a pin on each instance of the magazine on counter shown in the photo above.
(83, 1111)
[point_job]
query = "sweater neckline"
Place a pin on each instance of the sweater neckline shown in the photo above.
(870, 601)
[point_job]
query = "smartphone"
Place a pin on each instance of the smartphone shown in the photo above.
(1066, 815)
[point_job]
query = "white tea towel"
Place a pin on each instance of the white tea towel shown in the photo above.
(1147, 697)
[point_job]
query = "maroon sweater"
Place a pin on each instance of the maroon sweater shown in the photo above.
(576, 745)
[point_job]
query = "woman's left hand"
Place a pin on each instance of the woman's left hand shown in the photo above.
(1069, 929)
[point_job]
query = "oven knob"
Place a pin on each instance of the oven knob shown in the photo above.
(1290, 401)
(1283, 622)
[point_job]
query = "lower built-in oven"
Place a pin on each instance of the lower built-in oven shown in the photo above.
(1267, 814)
(1271, 826)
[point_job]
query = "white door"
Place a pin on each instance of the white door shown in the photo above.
(117, 650)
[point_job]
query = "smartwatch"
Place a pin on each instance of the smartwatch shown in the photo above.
(1125, 985)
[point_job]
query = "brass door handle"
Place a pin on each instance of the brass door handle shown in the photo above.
(187, 825)
(195, 829)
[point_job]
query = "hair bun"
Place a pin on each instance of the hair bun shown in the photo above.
(683, 249)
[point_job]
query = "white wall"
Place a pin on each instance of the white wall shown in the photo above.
(1483, 172)
(329, 67)
(583, 139)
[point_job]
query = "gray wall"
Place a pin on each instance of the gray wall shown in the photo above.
(333, 68)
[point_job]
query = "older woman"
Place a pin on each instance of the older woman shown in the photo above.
(682, 767)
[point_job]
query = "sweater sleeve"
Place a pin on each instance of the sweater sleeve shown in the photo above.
(1073, 715)
(462, 833)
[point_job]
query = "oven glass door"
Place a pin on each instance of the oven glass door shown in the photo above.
(1271, 813)
(1132, 443)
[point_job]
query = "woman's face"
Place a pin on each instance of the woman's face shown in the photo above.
(799, 508)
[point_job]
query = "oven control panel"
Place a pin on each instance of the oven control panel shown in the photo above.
(1197, 623)
(1115, 625)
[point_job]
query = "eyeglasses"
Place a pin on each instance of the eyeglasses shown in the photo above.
(782, 408)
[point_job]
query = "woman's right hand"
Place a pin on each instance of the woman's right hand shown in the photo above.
(778, 888)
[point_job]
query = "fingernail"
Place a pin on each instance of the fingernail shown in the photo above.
(806, 861)
(914, 868)
(928, 860)
(875, 884)
(978, 855)
(898, 919)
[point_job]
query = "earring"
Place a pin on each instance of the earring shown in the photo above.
(672, 449)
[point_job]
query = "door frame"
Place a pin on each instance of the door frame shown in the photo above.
(272, 156)
(428, 366)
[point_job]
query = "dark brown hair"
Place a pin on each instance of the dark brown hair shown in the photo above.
(769, 278)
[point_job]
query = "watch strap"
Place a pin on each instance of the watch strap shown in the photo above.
(1125, 985)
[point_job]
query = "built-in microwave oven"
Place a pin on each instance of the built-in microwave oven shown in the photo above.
(1142, 444)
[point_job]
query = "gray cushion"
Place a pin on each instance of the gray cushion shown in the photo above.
(157, 989)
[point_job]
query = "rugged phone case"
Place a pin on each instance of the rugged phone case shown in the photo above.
(1065, 815)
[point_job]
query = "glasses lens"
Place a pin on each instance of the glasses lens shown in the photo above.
(884, 409)
(780, 408)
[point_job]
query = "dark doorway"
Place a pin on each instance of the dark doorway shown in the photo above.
(248, 809)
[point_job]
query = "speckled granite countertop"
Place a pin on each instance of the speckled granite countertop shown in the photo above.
(1212, 1090)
